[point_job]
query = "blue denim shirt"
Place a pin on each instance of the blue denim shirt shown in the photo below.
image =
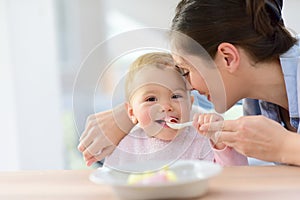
(290, 63)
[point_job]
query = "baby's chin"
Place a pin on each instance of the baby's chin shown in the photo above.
(161, 132)
(166, 135)
(165, 138)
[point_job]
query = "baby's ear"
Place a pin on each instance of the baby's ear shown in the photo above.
(130, 113)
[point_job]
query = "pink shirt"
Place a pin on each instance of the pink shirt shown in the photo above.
(188, 145)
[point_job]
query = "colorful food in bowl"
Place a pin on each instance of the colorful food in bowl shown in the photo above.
(162, 176)
(191, 180)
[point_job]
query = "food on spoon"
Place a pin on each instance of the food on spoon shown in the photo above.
(163, 176)
(173, 120)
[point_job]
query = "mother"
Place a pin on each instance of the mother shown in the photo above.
(256, 57)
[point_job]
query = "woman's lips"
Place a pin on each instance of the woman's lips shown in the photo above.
(206, 94)
(208, 97)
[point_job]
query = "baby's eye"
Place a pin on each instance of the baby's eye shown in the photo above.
(151, 99)
(176, 96)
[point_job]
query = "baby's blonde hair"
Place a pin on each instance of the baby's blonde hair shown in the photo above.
(157, 59)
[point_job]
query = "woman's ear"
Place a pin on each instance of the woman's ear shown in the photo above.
(130, 113)
(229, 56)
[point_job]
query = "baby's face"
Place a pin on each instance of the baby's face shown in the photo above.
(160, 95)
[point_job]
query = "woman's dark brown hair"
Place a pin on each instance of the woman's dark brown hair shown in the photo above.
(254, 25)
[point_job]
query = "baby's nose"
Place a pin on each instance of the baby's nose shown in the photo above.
(166, 107)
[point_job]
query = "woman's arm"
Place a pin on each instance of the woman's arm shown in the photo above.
(291, 149)
(103, 132)
(258, 137)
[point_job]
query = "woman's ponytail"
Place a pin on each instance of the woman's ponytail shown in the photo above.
(255, 25)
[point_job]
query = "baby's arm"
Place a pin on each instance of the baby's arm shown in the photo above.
(229, 157)
(223, 155)
(200, 119)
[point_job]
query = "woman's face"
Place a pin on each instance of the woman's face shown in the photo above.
(211, 86)
(192, 76)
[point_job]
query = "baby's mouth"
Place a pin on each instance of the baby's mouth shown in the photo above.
(173, 120)
(170, 119)
(160, 121)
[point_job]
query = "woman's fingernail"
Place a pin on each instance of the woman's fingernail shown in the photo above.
(98, 153)
(89, 163)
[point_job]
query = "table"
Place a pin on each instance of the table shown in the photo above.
(246, 182)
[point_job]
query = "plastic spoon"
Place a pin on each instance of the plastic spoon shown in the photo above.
(178, 125)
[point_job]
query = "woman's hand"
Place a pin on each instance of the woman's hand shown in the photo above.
(254, 136)
(102, 133)
(200, 119)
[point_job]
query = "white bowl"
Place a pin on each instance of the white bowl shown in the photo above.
(192, 181)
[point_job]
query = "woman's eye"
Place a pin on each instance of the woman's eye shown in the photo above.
(183, 71)
(186, 73)
(176, 96)
(151, 99)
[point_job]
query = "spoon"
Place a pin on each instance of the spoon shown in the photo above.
(178, 125)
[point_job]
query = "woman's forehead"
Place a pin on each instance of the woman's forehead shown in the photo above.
(180, 61)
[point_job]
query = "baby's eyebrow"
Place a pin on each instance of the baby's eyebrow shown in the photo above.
(149, 92)
(179, 90)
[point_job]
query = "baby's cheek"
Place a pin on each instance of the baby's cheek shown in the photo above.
(185, 112)
(145, 118)
(154, 111)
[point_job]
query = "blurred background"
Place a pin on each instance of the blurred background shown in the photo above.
(43, 44)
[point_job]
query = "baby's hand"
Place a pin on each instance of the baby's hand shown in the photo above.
(200, 119)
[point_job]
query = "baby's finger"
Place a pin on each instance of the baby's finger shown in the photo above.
(200, 119)
(228, 125)
(195, 120)
(208, 119)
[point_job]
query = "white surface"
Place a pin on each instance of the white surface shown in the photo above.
(8, 132)
(192, 176)
(178, 125)
(291, 15)
(257, 162)
(31, 131)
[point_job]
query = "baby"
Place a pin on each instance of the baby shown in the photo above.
(157, 93)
